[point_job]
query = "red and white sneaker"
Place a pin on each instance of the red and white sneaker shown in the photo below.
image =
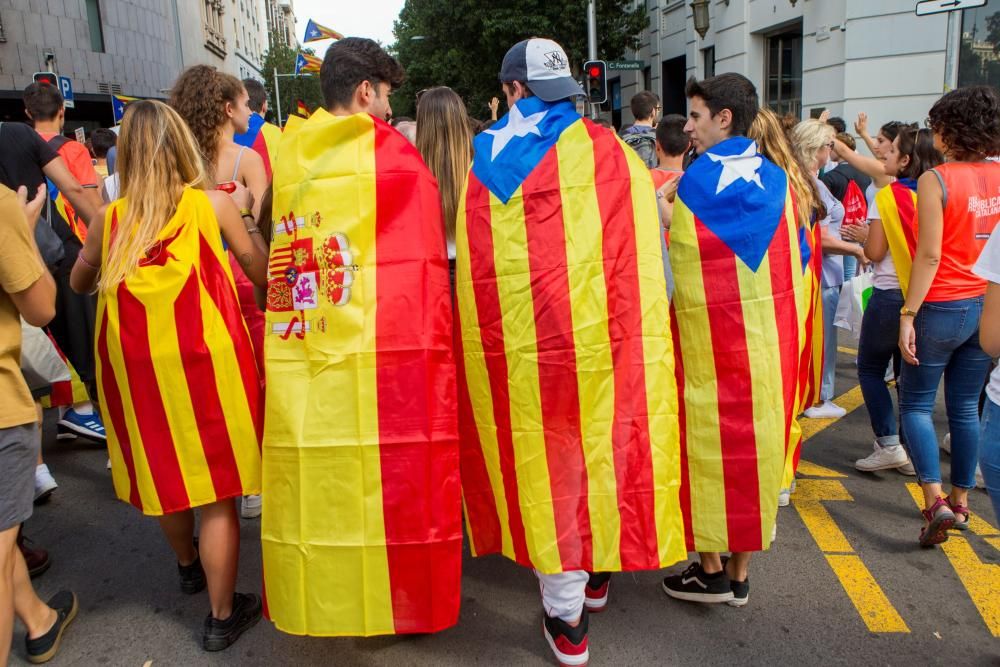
(568, 643)
(596, 592)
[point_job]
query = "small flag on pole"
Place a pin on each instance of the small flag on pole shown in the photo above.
(316, 32)
(301, 109)
(307, 63)
(118, 104)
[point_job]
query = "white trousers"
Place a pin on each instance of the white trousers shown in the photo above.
(563, 594)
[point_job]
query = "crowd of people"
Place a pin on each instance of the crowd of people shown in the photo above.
(599, 347)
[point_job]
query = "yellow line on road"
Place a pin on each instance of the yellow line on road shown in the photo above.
(850, 401)
(864, 592)
(847, 350)
(812, 470)
(981, 580)
(872, 604)
(994, 542)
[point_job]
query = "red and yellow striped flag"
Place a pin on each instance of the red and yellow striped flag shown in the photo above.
(734, 250)
(301, 108)
(361, 530)
(567, 402)
(176, 372)
(897, 205)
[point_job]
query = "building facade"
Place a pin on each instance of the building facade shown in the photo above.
(808, 55)
(281, 21)
(128, 47)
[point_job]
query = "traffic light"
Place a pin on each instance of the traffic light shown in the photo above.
(595, 74)
(46, 77)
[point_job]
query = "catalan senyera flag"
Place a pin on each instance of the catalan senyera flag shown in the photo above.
(897, 205)
(306, 63)
(362, 528)
(65, 209)
(175, 370)
(316, 32)
(567, 401)
(734, 251)
(301, 108)
(65, 392)
(263, 138)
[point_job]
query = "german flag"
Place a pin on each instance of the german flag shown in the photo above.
(306, 63)
(897, 205)
(175, 370)
(567, 402)
(316, 32)
(362, 527)
(734, 250)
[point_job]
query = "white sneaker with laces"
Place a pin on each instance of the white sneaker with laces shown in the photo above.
(45, 483)
(883, 458)
(825, 410)
(251, 508)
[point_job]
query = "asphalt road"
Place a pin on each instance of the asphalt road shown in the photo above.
(811, 601)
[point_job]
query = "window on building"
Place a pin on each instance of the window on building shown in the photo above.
(647, 78)
(783, 92)
(708, 61)
(979, 52)
(96, 29)
(673, 77)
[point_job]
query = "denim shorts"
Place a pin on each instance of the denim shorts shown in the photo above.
(18, 456)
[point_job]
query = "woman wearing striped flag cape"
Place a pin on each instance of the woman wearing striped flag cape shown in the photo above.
(175, 367)
(361, 527)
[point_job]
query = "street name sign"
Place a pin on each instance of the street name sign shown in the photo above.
(938, 6)
(626, 64)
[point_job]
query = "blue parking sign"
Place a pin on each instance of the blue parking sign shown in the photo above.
(66, 88)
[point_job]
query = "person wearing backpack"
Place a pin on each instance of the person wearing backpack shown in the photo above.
(849, 184)
(642, 135)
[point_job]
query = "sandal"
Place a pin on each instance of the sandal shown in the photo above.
(939, 519)
(960, 511)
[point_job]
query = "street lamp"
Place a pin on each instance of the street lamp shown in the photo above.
(699, 8)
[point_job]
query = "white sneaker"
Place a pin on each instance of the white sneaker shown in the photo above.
(784, 497)
(946, 443)
(980, 482)
(907, 469)
(883, 458)
(251, 507)
(774, 532)
(45, 484)
(109, 464)
(825, 410)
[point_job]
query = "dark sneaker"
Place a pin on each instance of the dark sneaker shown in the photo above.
(221, 635)
(696, 586)
(568, 643)
(45, 647)
(596, 592)
(37, 560)
(741, 592)
(192, 577)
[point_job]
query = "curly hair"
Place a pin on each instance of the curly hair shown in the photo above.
(968, 122)
(199, 95)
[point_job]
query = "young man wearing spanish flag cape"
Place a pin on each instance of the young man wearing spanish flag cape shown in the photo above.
(361, 525)
(735, 255)
(567, 400)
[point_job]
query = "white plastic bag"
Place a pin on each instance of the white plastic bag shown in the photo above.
(854, 296)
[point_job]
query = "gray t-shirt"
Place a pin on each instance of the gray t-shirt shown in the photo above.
(833, 265)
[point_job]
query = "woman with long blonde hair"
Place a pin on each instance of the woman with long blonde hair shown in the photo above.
(444, 139)
(176, 370)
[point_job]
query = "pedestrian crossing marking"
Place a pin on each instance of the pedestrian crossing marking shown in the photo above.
(865, 594)
(872, 604)
(981, 580)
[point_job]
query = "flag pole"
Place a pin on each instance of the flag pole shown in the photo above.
(277, 96)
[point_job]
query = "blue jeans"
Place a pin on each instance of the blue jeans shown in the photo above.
(877, 347)
(947, 337)
(850, 267)
(831, 297)
(989, 453)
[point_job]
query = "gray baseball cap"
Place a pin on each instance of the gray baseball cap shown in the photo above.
(543, 65)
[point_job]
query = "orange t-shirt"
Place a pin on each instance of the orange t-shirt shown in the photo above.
(971, 211)
(78, 161)
(663, 176)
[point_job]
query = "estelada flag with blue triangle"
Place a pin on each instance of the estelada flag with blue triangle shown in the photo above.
(735, 254)
(118, 104)
(316, 32)
(306, 63)
(567, 403)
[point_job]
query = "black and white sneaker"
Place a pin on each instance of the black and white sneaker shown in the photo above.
(741, 592)
(694, 585)
(220, 635)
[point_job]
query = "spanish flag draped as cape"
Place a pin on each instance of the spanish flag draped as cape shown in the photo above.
(734, 250)
(176, 373)
(362, 528)
(897, 205)
(567, 402)
(263, 138)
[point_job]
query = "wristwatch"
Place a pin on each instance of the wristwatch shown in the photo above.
(906, 312)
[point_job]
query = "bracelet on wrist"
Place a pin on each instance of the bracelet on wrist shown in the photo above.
(245, 212)
(83, 260)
